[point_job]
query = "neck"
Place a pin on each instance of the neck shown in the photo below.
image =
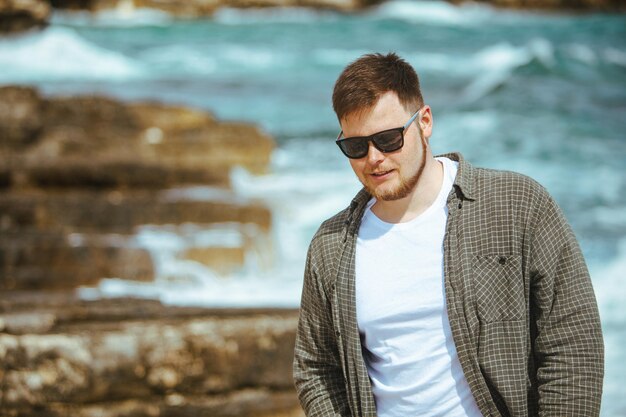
(421, 197)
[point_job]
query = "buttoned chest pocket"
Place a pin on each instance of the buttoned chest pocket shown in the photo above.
(499, 287)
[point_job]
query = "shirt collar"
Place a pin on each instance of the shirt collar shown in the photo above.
(465, 175)
(463, 182)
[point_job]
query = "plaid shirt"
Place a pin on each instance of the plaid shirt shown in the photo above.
(520, 303)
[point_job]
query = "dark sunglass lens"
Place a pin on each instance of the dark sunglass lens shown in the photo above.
(388, 141)
(354, 148)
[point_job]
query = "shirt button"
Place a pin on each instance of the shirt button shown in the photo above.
(502, 260)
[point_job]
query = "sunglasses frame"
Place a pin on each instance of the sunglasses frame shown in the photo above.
(372, 137)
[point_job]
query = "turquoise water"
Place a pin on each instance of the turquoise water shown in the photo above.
(542, 94)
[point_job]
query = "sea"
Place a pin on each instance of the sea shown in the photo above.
(541, 93)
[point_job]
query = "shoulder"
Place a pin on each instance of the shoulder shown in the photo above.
(486, 184)
(329, 236)
(487, 179)
(501, 185)
(332, 233)
(518, 198)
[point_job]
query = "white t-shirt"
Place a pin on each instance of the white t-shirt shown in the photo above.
(401, 313)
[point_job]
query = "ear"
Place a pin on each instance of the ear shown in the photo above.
(426, 121)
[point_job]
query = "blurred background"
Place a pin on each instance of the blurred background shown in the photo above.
(163, 163)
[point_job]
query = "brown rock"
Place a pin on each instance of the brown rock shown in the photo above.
(176, 362)
(102, 143)
(72, 313)
(122, 357)
(182, 8)
(44, 368)
(250, 402)
(98, 142)
(91, 5)
(56, 261)
(118, 212)
(95, 113)
(20, 15)
(191, 138)
(65, 239)
(6, 179)
(102, 163)
(222, 260)
(170, 119)
(607, 5)
(27, 322)
(243, 403)
(200, 8)
(20, 116)
(121, 172)
(80, 176)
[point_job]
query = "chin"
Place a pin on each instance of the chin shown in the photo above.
(393, 196)
(396, 191)
(388, 193)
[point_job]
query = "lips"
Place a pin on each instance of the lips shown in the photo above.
(380, 173)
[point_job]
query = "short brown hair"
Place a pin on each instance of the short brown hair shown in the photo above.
(362, 82)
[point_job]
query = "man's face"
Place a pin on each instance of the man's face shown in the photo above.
(393, 175)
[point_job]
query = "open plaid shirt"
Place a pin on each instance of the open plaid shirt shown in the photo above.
(520, 303)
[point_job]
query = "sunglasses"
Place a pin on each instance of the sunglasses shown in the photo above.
(386, 141)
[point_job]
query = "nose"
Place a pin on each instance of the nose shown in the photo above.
(374, 156)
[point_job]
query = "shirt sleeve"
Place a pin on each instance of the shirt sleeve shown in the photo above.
(568, 345)
(317, 370)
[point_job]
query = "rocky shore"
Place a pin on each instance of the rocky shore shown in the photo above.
(79, 176)
(129, 357)
(19, 15)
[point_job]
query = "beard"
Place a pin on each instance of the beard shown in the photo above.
(406, 186)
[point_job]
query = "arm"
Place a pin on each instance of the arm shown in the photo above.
(568, 347)
(317, 370)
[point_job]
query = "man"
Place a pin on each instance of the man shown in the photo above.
(443, 289)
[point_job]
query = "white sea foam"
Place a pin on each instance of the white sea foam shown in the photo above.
(125, 15)
(219, 292)
(232, 16)
(421, 60)
(435, 12)
(183, 281)
(60, 54)
(495, 65)
(582, 53)
(300, 201)
(178, 237)
(504, 56)
(615, 56)
(301, 192)
(285, 185)
(453, 127)
(167, 243)
(272, 274)
(608, 280)
(235, 57)
(336, 57)
(452, 64)
(178, 59)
